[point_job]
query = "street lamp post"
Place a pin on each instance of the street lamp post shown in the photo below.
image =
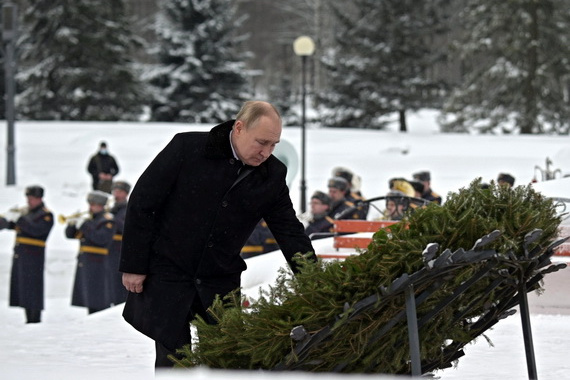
(303, 47)
(9, 20)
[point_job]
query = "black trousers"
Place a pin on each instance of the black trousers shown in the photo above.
(162, 353)
(33, 316)
(162, 360)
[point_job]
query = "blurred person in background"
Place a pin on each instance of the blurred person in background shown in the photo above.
(117, 292)
(341, 208)
(505, 179)
(321, 223)
(428, 194)
(103, 167)
(259, 242)
(353, 195)
(32, 227)
(95, 235)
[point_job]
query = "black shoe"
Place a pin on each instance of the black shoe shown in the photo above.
(33, 316)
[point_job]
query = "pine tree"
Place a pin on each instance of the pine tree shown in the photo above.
(201, 76)
(76, 62)
(324, 298)
(516, 62)
(381, 61)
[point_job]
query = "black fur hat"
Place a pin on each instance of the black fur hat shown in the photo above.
(344, 173)
(35, 191)
(339, 183)
(98, 197)
(422, 176)
(322, 197)
(122, 185)
(507, 178)
(417, 185)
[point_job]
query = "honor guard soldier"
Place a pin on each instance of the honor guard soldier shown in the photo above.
(341, 208)
(321, 224)
(117, 292)
(95, 235)
(353, 194)
(259, 242)
(425, 178)
(32, 229)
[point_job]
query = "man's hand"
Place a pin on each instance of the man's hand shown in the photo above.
(133, 282)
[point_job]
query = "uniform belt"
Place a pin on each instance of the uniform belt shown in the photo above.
(91, 249)
(252, 249)
(30, 241)
(118, 237)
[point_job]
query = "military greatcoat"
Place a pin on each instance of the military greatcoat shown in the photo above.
(27, 277)
(90, 288)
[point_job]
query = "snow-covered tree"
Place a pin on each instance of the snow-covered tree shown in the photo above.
(75, 62)
(200, 76)
(381, 60)
(516, 56)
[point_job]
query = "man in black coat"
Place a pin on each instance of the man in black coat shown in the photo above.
(103, 167)
(27, 277)
(189, 215)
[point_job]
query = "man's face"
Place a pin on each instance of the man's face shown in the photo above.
(255, 144)
(95, 208)
(33, 202)
(119, 195)
(394, 209)
(503, 183)
(336, 194)
(318, 207)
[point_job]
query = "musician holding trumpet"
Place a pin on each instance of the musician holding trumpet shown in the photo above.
(27, 277)
(95, 235)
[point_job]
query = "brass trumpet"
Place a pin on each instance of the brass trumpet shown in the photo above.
(19, 210)
(15, 212)
(62, 219)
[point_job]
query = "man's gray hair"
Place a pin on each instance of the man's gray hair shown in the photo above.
(252, 110)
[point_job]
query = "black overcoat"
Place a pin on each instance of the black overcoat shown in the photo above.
(101, 163)
(187, 222)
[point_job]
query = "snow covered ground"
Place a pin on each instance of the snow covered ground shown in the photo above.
(69, 344)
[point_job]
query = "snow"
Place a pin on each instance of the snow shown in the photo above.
(70, 344)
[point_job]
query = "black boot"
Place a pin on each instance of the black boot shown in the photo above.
(33, 316)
